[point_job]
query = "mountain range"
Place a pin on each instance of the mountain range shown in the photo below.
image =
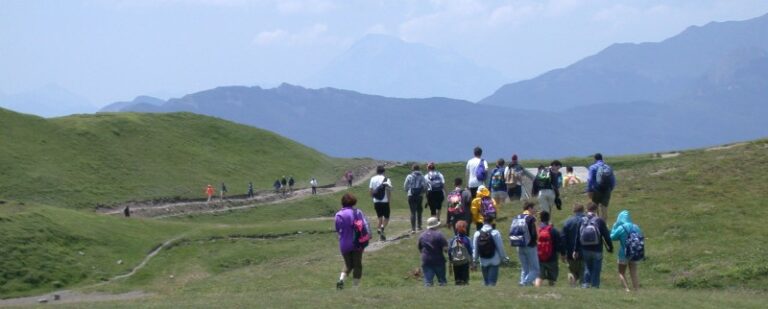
(707, 85)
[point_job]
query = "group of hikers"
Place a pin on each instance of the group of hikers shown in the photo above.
(540, 246)
(282, 186)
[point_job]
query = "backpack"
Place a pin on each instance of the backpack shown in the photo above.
(634, 249)
(486, 247)
(589, 233)
(603, 177)
(480, 172)
(415, 185)
(359, 226)
(497, 179)
(543, 179)
(454, 203)
(381, 190)
(434, 181)
(519, 235)
(487, 208)
(546, 245)
(459, 252)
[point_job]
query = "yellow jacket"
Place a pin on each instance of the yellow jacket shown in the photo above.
(477, 216)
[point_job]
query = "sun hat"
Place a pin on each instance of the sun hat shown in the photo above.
(432, 223)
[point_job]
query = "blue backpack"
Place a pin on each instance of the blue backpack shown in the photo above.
(480, 172)
(603, 177)
(487, 208)
(634, 249)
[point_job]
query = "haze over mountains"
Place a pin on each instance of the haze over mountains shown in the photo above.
(706, 86)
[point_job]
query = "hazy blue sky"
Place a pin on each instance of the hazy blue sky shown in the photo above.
(109, 50)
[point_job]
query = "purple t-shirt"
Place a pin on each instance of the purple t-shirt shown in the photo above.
(345, 219)
(431, 244)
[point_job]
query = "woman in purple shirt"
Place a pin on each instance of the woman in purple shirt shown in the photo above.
(432, 243)
(352, 252)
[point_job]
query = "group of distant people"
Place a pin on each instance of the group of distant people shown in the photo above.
(282, 186)
(540, 246)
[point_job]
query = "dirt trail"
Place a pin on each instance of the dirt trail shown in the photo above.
(179, 208)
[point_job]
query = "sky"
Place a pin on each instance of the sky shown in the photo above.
(114, 50)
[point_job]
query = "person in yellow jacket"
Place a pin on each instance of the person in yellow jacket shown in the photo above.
(477, 207)
(570, 179)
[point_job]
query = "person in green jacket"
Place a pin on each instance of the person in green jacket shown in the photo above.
(620, 232)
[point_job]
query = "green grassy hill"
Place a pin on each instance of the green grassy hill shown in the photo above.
(83, 160)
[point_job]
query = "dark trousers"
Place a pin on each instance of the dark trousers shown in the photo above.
(414, 202)
(353, 262)
(461, 274)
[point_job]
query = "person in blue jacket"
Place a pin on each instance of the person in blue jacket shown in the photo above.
(620, 232)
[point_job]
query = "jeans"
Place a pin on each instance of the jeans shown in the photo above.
(414, 202)
(593, 264)
(529, 262)
(490, 274)
(430, 271)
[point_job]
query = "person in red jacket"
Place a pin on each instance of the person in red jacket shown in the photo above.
(210, 191)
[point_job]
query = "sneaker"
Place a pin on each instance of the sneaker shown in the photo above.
(382, 237)
(413, 231)
(340, 285)
(378, 231)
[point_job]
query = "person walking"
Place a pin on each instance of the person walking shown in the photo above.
(600, 183)
(276, 185)
(380, 189)
(459, 205)
(460, 253)
(622, 231)
(349, 177)
(291, 182)
(415, 186)
(223, 191)
(313, 184)
(250, 189)
(210, 191)
(436, 193)
(488, 250)
(284, 186)
(476, 166)
(483, 208)
(549, 248)
(545, 186)
(570, 178)
(498, 185)
(513, 176)
(593, 233)
(570, 233)
(432, 243)
(523, 235)
(351, 221)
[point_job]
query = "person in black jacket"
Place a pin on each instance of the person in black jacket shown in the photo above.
(569, 236)
(592, 253)
(550, 247)
(546, 186)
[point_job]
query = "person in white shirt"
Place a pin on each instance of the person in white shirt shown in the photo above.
(381, 205)
(313, 183)
(472, 165)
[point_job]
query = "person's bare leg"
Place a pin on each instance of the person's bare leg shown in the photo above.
(622, 277)
(633, 275)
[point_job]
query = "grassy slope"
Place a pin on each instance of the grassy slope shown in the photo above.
(84, 160)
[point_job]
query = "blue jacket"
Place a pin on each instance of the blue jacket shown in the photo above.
(591, 177)
(570, 233)
(497, 256)
(621, 230)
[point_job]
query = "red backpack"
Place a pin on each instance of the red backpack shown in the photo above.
(546, 246)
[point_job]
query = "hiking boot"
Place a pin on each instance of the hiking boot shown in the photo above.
(379, 231)
(340, 285)
(382, 237)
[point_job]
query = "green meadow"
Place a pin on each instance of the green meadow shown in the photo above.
(701, 212)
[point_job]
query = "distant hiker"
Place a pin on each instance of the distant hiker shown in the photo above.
(570, 179)
(523, 235)
(549, 249)
(460, 253)
(354, 233)
(284, 186)
(459, 205)
(545, 185)
(593, 233)
(632, 249)
(291, 182)
(210, 191)
(349, 177)
(477, 171)
(498, 185)
(415, 186)
(276, 185)
(127, 211)
(570, 233)
(432, 243)
(436, 193)
(488, 249)
(250, 189)
(223, 191)
(380, 189)
(600, 184)
(513, 176)
(313, 183)
(483, 208)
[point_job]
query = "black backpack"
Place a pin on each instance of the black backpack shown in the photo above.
(381, 190)
(486, 246)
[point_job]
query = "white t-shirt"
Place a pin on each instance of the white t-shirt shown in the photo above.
(472, 165)
(375, 182)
